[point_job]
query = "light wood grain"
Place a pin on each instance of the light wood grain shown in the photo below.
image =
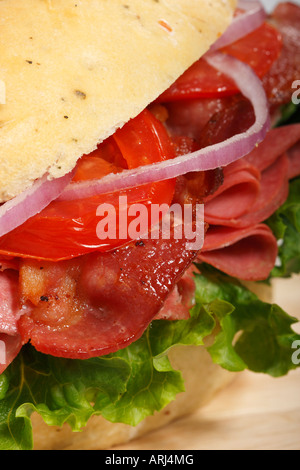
(255, 412)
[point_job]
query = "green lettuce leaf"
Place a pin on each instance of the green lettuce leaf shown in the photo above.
(59, 390)
(256, 335)
(285, 224)
(136, 381)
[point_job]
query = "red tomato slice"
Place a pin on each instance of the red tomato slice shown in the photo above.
(68, 229)
(258, 49)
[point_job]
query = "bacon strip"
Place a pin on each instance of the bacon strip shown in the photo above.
(181, 299)
(100, 303)
(277, 142)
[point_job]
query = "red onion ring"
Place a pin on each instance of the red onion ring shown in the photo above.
(242, 25)
(32, 201)
(205, 159)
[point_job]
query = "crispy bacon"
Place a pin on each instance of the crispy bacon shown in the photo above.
(181, 299)
(99, 303)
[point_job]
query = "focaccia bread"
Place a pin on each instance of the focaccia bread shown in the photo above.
(75, 71)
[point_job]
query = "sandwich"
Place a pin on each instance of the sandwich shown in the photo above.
(117, 314)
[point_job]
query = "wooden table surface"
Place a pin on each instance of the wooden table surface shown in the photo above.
(255, 412)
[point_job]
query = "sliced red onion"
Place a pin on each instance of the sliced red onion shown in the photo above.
(243, 24)
(205, 159)
(32, 201)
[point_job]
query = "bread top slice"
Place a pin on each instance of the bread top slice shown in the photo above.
(76, 70)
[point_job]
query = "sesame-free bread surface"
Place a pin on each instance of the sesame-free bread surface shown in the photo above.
(76, 70)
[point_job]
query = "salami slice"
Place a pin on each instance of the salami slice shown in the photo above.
(239, 191)
(252, 190)
(273, 191)
(247, 254)
(277, 142)
(294, 161)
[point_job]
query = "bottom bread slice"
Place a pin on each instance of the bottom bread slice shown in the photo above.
(203, 379)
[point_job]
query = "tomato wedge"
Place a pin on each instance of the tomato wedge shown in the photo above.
(67, 229)
(258, 49)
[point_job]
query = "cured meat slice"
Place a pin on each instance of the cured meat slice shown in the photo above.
(9, 305)
(189, 117)
(248, 254)
(278, 81)
(277, 142)
(10, 347)
(10, 340)
(272, 193)
(100, 303)
(239, 191)
(252, 190)
(181, 299)
(294, 161)
(8, 262)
